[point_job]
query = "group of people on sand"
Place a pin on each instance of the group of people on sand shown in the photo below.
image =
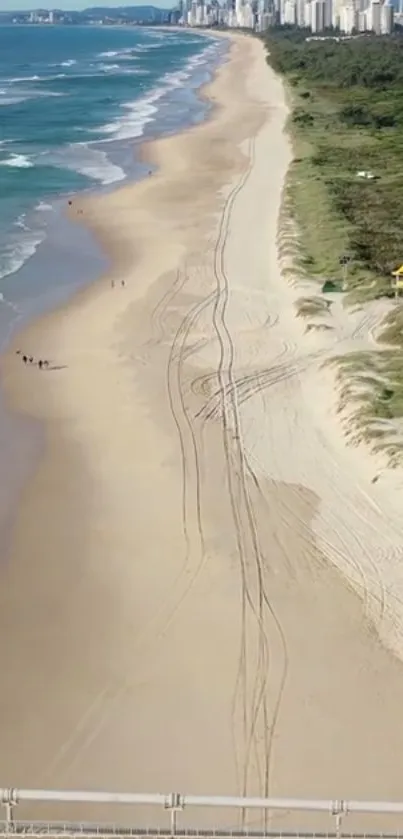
(29, 359)
(79, 212)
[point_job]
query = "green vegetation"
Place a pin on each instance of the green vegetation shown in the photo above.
(338, 227)
(309, 306)
(371, 390)
(347, 117)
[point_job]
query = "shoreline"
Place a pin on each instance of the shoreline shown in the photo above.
(133, 172)
(64, 234)
(165, 576)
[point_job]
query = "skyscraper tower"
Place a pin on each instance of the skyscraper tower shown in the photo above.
(328, 15)
(387, 18)
(239, 12)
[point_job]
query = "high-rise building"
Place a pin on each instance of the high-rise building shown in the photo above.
(268, 19)
(239, 12)
(328, 13)
(362, 21)
(301, 13)
(308, 13)
(290, 12)
(200, 14)
(348, 19)
(374, 17)
(317, 15)
(192, 13)
(387, 13)
(336, 13)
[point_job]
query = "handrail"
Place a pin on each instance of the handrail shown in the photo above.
(179, 801)
(175, 802)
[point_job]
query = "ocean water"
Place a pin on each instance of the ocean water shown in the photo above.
(74, 103)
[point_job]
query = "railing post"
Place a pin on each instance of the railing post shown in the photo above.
(9, 800)
(174, 803)
(339, 810)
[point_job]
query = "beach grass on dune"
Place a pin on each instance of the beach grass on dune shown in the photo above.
(347, 118)
(310, 306)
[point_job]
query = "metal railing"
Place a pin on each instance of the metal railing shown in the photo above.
(175, 803)
(90, 830)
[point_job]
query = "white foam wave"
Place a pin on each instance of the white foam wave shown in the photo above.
(15, 97)
(106, 68)
(134, 72)
(131, 124)
(19, 79)
(176, 79)
(18, 251)
(12, 100)
(144, 47)
(142, 111)
(24, 79)
(42, 207)
(51, 78)
(123, 54)
(93, 163)
(151, 46)
(69, 63)
(45, 93)
(17, 161)
(21, 222)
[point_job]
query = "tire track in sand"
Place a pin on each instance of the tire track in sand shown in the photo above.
(243, 514)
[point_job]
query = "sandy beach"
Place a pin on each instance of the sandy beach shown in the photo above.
(204, 588)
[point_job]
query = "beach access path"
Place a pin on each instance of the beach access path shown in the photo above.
(172, 612)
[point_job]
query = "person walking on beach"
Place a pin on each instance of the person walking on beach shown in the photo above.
(40, 364)
(25, 359)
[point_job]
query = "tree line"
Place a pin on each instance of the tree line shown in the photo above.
(348, 108)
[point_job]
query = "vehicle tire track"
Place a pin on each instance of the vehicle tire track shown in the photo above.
(241, 506)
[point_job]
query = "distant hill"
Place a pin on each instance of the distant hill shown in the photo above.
(134, 14)
(129, 12)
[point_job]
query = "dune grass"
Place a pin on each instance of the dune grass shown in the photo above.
(311, 306)
(371, 400)
(347, 117)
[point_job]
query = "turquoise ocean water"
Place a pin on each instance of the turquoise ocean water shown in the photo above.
(74, 101)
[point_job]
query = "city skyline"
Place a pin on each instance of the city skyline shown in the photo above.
(344, 17)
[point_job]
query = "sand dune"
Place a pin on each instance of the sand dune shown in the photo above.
(173, 612)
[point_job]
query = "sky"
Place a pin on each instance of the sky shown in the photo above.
(65, 5)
